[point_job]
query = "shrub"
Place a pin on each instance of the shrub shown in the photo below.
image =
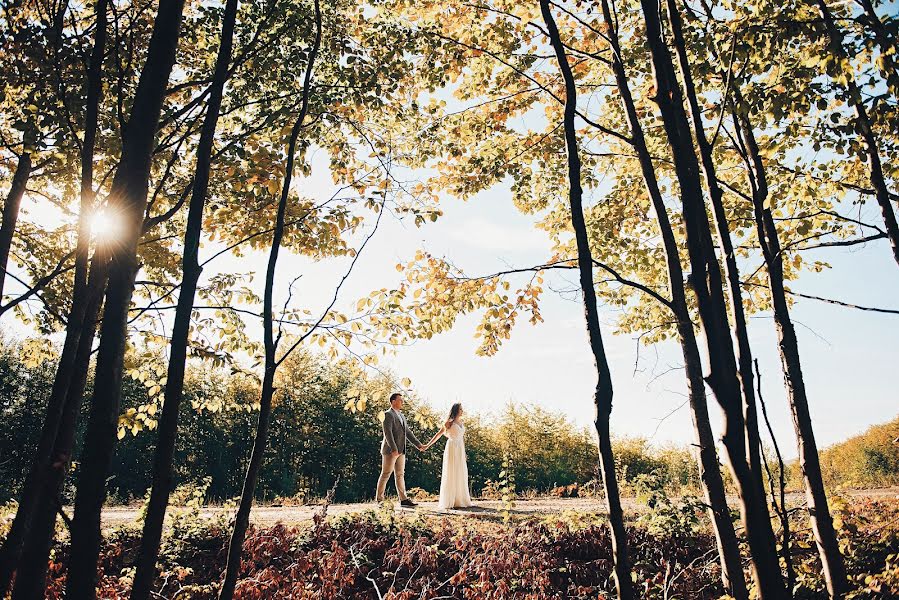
(870, 459)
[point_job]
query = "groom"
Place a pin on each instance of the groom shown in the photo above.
(393, 450)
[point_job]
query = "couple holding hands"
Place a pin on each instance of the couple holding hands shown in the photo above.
(454, 477)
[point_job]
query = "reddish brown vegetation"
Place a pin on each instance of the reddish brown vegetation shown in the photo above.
(453, 558)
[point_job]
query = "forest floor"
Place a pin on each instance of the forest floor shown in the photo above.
(267, 515)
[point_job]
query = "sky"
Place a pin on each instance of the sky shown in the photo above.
(849, 356)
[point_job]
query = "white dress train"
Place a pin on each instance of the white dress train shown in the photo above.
(454, 478)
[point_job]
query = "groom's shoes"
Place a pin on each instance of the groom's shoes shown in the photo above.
(408, 503)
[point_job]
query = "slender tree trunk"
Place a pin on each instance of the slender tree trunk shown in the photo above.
(788, 347)
(740, 330)
(11, 207)
(42, 465)
(710, 475)
(242, 519)
(168, 421)
(604, 391)
(32, 572)
(128, 197)
(723, 375)
(863, 126)
(887, 43)
(779, 496)
(35, 482)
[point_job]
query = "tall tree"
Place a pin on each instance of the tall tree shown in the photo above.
(722, 228)
(242, 518)
(710, 475)
(45, 469)
(168, 422)
(603, 394)
(772, 252)
(706, 282)
(788, 348)
(128, 200)
(842, 69)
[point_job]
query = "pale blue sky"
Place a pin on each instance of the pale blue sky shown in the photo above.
(849, 356)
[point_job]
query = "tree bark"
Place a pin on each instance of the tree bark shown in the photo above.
(242, 518)
(863, 126)
(11, 207)
(779, 496)
(604, 391)
(168, 421)
(722, 375)
(42, 465)
(788, 347)
(716, 194)
(128, 198)
(887, 44)
(710, 475)
(32, 572)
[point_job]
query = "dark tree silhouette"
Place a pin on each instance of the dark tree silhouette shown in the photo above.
(723, 376)
(168, 421)
(604, 391)
(128, 197)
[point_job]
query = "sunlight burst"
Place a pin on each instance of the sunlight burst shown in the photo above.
(104, 226)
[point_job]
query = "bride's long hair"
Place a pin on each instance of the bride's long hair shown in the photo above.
(454, 413)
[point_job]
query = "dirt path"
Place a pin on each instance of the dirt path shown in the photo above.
(292, 515)
(489, 509)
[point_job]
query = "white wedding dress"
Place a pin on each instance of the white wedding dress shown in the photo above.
(454, 479)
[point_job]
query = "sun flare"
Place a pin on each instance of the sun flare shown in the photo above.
(104, 226)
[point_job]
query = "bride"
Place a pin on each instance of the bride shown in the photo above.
(454, 478)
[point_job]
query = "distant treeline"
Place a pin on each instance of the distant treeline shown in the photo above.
(326, 426)
(867, 460)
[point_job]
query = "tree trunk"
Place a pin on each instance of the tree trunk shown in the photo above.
(168, 421)
(887, 44)
(863, 125)
(68, 365)
(604, 391)
(32, 571)
(778, 496)
(11, 208)
(706, 280)
(242, 519)
(35, 481)
(710, 475)
(740, 330)
(128, 196)
(818, 509)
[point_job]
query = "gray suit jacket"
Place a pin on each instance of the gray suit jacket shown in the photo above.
(396, 431)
